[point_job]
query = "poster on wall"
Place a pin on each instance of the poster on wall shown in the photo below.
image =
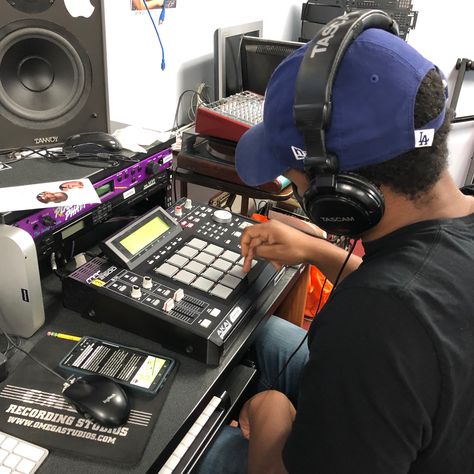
(151, 4)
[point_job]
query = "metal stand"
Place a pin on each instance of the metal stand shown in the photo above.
(462, 65)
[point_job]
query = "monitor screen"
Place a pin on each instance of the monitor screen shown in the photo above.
(227, 64)
(144, 235)
(259, 58)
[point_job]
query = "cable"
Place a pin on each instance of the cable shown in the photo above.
(255, 205)
(54, 267)
(9, 347)
(162, 14)
(336, 281)
(174, 188)
(175, 120)
(156, 30)
(18, 154)
(285, 365)
(73, 246)
(190, 114)
(32, 357)
(106, 159)
(349, 253)
(180, 98)
(197, 98)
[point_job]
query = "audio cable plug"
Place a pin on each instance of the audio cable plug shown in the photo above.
(162, 14)
(52, 260)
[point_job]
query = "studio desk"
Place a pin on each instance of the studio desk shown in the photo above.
(192, 389)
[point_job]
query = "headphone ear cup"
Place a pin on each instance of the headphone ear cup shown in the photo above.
(351, 207)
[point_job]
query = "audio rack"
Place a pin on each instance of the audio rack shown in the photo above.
(120, 188)
(176, 277)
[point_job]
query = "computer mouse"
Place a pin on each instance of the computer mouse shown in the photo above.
(99, 398)
(91, 143)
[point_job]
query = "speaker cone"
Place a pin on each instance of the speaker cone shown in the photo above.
(45, 76)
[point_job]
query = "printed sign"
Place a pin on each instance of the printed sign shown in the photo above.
(67, 193)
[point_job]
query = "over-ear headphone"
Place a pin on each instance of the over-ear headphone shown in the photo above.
(339, 203)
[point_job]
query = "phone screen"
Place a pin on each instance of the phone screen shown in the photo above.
(126, 365)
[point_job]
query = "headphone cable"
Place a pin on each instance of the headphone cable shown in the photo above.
(336, 281)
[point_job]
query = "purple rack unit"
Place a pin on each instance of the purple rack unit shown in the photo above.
(122, 183)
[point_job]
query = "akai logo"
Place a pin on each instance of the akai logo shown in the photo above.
(101, 275)
(327, 34)
(79, 8)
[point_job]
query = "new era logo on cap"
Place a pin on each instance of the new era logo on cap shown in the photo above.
(298, 153)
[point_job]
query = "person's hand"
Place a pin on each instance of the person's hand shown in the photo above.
(273, 241)
(244, 419)
(269, 405)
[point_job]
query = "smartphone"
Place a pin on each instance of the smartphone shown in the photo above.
(131, 367)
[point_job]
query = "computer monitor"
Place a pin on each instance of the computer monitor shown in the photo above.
(259, 58)
(227, 65)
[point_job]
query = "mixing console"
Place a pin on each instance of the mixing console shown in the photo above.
(229, 118)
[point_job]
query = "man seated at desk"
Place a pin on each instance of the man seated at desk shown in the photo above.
(385, 383)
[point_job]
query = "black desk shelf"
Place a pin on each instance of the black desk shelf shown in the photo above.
(194, 385)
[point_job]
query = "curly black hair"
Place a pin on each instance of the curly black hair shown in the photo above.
(415, 172)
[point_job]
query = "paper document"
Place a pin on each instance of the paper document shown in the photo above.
(58, 193)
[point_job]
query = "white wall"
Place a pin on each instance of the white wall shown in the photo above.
(443, 34)
(140, 93)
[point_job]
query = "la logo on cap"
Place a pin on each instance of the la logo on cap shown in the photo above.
(424, 138)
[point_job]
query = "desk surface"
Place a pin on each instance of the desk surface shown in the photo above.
(194, 384)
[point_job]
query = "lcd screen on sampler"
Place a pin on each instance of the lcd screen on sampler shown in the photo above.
(143, 236)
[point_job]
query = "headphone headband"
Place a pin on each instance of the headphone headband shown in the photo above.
(312, 107)
(341, 204)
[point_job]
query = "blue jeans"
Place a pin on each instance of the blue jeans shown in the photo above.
(273, 346)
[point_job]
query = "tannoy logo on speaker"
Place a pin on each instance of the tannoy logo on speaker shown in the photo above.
(43, 140)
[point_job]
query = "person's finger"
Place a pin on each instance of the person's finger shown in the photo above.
(276, 265)
(269, 251)
(247, 266)
(251, 234)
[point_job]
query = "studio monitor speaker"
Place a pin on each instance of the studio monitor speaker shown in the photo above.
(53, 80)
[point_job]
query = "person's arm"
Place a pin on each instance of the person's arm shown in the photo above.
(284, 245)
(266, 420)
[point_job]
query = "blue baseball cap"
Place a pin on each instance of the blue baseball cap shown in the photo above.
(372, 118)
